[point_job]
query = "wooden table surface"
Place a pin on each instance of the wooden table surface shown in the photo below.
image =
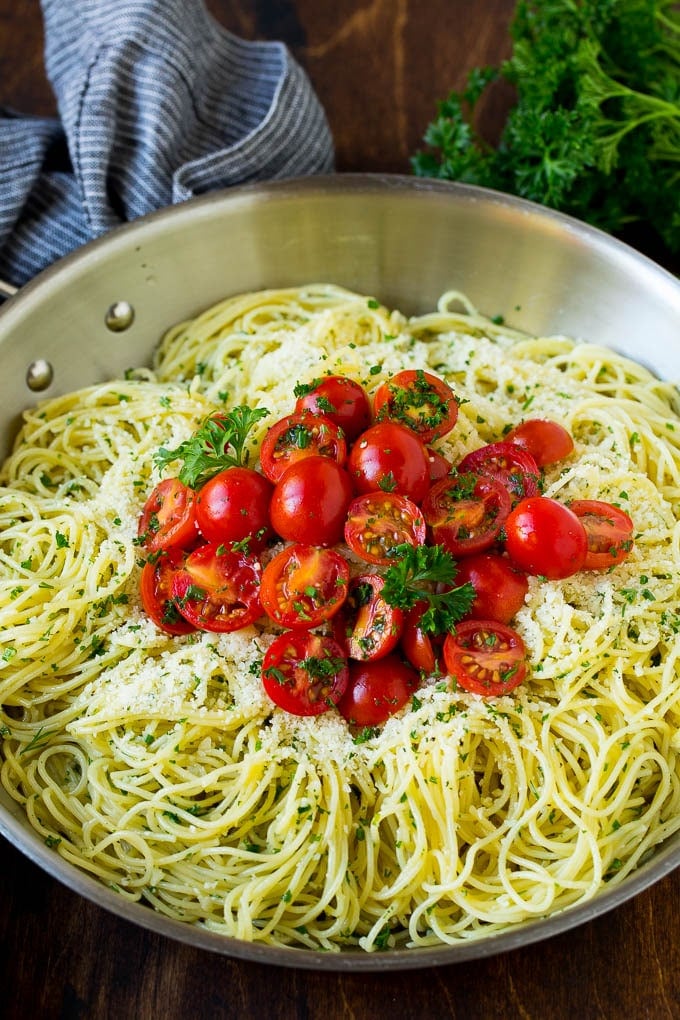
(378, 67)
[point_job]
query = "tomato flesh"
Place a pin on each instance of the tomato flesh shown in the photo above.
(367, 627)
(379, 522)
(304, 585)
(304, 673)
(465, 512)
(419, 400)
(297, 436)
(168, 518)
(509, 464)
(156, 592)
(234, 505)
(485, 657)
(310, 501)
(545, 537)
(390, 458)
(609, 532)
(376, 690)
(217, 589)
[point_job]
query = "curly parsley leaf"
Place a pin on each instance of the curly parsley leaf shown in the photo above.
(218, 443)
(415, 577)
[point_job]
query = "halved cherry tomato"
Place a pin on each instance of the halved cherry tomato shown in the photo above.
(303, 673)
(379, 522)
(338, 398)
(217, 589)
(377, 690)
(545, 537)
(297, 436)
(465, 512)
(310, 501)
(419, 400)
(509, 464)
(234, 505)
(390, 458)
(485, 657)
(500, 589)
(422, 650)
(304, 585)
(156, 592)
(609, 532)
(367, 627)
(547, 441)
(168, 517)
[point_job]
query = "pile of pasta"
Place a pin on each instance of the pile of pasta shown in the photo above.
(159, 765)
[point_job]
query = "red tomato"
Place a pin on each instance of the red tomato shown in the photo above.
(377, 690)
(380, 521)
(419, 400)
(422, 650)
(156, 592)
(609, 532)
(367, 627)
(465, 513)
(168, 517)
(485, 657)
(545, 537)
(509, 464)
(390, 458)
(440, 467)
(340, 399)
(310, 501)
(499, 588)
(303, 673)
(304, 585)
(297, 436)
(234, 505)
(217, 589)
(547, 441)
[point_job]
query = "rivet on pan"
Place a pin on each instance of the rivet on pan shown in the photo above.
(120, 316)
(39, 375)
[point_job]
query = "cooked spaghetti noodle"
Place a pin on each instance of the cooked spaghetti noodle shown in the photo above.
(159, 765)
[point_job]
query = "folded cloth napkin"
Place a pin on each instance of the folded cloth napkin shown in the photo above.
(157, 102)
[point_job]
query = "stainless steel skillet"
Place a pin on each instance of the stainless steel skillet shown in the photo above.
(102, 309)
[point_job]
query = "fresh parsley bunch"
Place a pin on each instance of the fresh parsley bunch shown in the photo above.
(595, 130)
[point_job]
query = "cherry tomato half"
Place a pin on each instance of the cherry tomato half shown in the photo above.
(419, 400)
(234, 505)
(217, 589)
(509, 464)
(545, 537)
(465, 513)
(303, 673)
(379, 522)
(367, 627)
(485, 657)
(547, 441)
(377, 690)
(390, 458)
(500, 589)
(297, 436)
(310, 501)
(609, 532)
(168, 517)
(304, 585)
(422, 650)
(156, 592)
(338, 398)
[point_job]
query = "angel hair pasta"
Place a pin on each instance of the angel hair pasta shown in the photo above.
(158, 763)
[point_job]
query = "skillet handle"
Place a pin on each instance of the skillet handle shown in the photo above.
(7, 290)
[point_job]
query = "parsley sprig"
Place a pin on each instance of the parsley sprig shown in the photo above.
(218, 443)
(414, 577)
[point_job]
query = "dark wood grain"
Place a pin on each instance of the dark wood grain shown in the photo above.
(378, 66)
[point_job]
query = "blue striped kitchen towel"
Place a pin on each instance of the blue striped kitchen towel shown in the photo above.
(157, 102)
